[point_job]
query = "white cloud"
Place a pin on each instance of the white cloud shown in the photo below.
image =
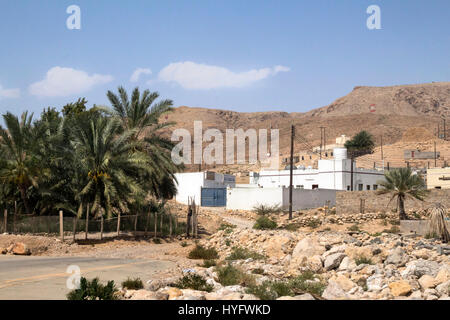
(9, 93)
(60, 82)
(191, 75)
(138, 72)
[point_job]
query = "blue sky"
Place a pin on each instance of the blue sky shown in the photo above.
(239, 55)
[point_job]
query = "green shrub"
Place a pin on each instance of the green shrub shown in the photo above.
(228, 242)
(263, 209)
(314, 223)
(200, 252)
(209, 263)
(133, 284)
(354, 228)
(264, 223)
(193, 281)
(271, 290)
(93, 290)
(363, 260)
(292, 226)
(393, 229)
(394, 222)
(431, 235)
(240, 253)
(184, 244)
(229, 275)
(157, 240)
(227, 226)
(258, 271)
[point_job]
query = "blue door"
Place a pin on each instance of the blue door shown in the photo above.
(214, 197)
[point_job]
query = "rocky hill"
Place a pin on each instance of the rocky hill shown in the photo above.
(387, 112)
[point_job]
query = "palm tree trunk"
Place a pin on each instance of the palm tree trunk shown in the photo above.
(401, 208)
(23, 195)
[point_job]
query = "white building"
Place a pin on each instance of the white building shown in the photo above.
(331, 174)
(190, 184)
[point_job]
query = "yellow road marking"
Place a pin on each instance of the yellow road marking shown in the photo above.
(9, 283)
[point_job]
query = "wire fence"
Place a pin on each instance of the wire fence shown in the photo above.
(166, 224)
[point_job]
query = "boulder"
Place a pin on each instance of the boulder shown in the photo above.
(345, 283)
(427, 282)
(333, 261)
(334, 291)
(443, 289)
(443, 275)
(172, 292)
(277, 246)
(397, 257)
(421, 267)
(347, 264)
(3, 251)
(21, 249)
(308, 247)
(144, 295)
(400, 288)
(305, 296)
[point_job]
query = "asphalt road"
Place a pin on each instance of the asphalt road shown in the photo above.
(45, 278)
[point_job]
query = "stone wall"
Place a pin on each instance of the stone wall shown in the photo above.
(348, 202)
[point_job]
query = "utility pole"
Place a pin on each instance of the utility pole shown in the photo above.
(322, 140)
(351, 171)
(439, 131)
(445, 131)
(291, 170)
(435, 155)
(382, 155)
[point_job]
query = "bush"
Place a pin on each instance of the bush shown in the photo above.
(157, 240)
(292, 226)
(200, 252)
(193, 281)
(314, 223)
(264, 291)
(263, 209)
(264, 223)
(229, 275)
(354, 228)
(133, 284)
(240, 253)
(258, 271)
(303, 284)
(227, 226)
(363, 260)
(184, 244)
(209, 263)
(393, 229)
(93, 290)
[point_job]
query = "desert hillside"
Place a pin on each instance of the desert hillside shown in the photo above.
(388, 113)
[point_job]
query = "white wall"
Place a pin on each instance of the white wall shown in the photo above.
(308, 199)
(189, 185)
(248, 198)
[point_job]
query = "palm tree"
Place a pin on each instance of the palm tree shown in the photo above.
(21, 166)
(438, 224)
(402, 183)
(110, 163)
(140, 113)
(362, 143)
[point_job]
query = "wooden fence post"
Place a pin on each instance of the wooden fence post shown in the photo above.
(101, 228)
(156, 224)
(362, 205)
(75, 222)
(15, 215)
(118, 224)
(5, 215)
(146, 224)
(87, 222)
(61, 225)
(135, 224)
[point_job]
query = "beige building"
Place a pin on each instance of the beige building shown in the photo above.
(438, 178)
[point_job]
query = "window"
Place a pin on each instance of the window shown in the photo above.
(303, 158)
(360, 187)
(375, 187)
(348, 188)
(300, 186)
(368, 187)
(315, 186)
(438, 187)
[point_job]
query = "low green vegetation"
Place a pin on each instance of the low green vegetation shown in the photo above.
(393, 229)
(200, 252)
(184, 244)
(209, 263)
(264, 223)
(292, 226)
(354, 228)
(229, 275)
(271, 290)
(133, 284)
(226, 227)
(93, 290)
(363, 260)
(193, 281)
(240, 253)
(258, 271)
(263, 209)
(314, 223)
